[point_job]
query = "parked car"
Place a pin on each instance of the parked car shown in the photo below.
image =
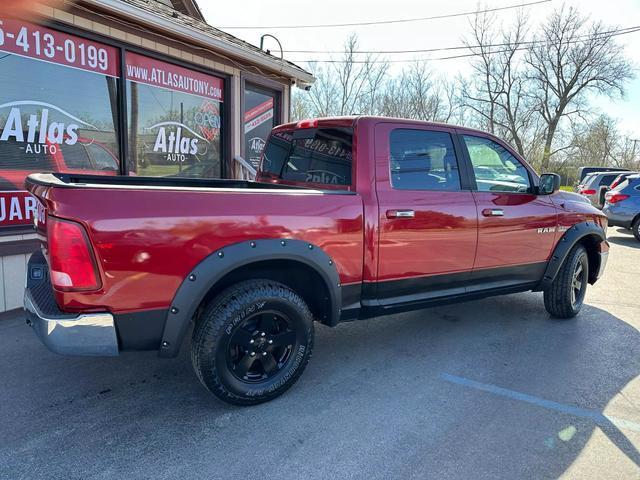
(350, 218)
(622, 206)
(595, 186)
(19, 159)
(620, 178)
(584, 171)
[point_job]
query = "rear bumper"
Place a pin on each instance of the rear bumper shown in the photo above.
(618, 217)
(68, 334)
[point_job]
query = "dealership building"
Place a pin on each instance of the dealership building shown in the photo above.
(129, 87)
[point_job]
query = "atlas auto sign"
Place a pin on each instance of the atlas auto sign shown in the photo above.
(174, 139)
(39, 134)
(31, 125)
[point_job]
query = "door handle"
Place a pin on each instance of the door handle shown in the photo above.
(493, 212)
(401, 214)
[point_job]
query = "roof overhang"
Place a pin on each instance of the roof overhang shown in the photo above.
(197, 37)
(194, 10)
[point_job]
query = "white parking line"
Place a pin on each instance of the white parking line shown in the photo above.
(596, 416)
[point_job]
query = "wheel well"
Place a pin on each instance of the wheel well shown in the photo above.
(590, 243)
(299, 277)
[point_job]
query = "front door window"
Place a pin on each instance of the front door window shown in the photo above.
(495, 169)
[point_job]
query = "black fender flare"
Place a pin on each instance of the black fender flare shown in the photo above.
(214, 267)
(570, 238)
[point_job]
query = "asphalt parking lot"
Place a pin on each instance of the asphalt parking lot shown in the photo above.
(487, 389)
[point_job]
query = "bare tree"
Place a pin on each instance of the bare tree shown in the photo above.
(497, 92)
(532, 91)
(574, 58)
(349, 85)
(415, 93)
(481, 91)
(300, 108)
(321, 99)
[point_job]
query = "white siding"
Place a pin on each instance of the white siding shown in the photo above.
(13, 275)
(13, 270)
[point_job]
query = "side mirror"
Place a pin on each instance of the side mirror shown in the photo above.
(549, 183)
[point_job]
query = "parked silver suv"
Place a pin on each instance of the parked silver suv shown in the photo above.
(592, 185)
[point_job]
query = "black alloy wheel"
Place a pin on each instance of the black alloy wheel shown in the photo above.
(252, 342)
(260, 347)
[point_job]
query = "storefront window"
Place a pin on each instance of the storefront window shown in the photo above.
(58, 110)
(174, 119)
(259, 119)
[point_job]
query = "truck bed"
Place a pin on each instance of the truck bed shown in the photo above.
(147, 234)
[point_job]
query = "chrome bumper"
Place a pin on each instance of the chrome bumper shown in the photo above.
(85, 334)
(604, 257)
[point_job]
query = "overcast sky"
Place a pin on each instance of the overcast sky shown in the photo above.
(424, 34)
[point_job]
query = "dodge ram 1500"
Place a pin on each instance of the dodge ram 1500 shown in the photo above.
(348, 218)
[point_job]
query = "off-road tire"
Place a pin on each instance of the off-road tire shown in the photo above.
(558, 297)
(635, 228)
(221, 320)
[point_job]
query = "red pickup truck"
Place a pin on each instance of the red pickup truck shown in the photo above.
(349, 218)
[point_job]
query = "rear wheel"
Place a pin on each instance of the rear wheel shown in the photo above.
(252, 342)
(565, 296)
(635, 228)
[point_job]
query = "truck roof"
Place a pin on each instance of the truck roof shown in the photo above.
(351, 120)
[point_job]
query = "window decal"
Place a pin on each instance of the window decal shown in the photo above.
(174, 119)
(35, 41)
(142, 69)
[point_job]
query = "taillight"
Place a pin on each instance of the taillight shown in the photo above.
(70, 258)
(588, 192)
(615, 197)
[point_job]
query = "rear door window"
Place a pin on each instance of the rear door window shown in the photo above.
(607, 180)
(319, 156)
(423, 160)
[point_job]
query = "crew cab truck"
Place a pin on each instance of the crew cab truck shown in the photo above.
(349, 218)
